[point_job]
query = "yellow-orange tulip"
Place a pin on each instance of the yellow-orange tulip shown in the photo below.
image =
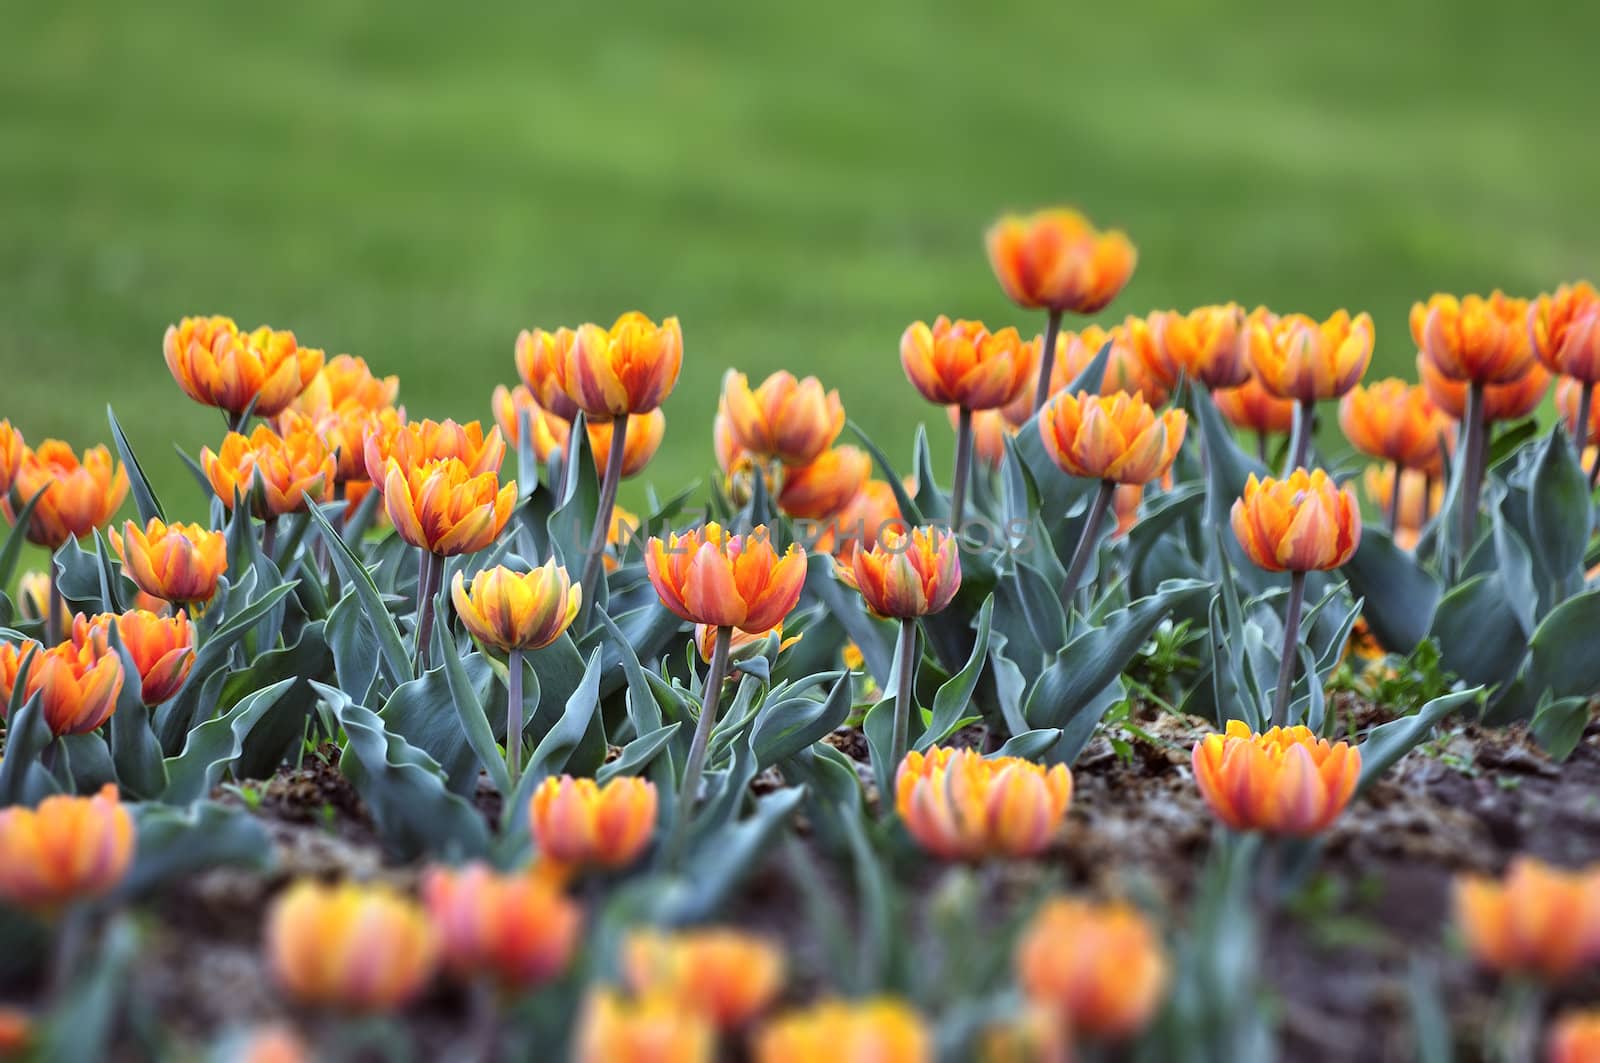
(445, 509)
(1501, 402)
(12, 448)
(1483, 341)
(1419, 499)
(654, 1030)
(705, 640)
(218, 365)
(626, 369)
(785, 420)
(823, 488)
(351, 947)
(1286, 781)
(275, 474)
(1207, 343)
(1564, 330)
(33, 596)
(903, 575)
(549, 433)
(579, 822)
(1575, 1038)
(883, 1030)
(1118, 437)
(345, 382)
(645, 433)
(1568, 391)
(1302, 523)
(1397, 422)
(962, 363)
(162, 647)
(1100, 966)
(173, 562)
(422, 442)
(725, 975)
(960, 805)
(1056, 260)
(66, 849)
(516, 928)
(710, 577)
(1134, 364)
(541, 359)
(78, 497)
(345, 432)
(862, 522)
(78, 683)
(1538, 920)
(989, 431)
(1296, 357)
(517, 610)
(1250, 407)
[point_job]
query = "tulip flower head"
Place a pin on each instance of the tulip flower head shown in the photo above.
(1420, 499)
(962, 363)
(1207, 343)
(1564, 330)
(960, 805)
(725, 975)
(1252, 408)
(1538, 920)
(1057, 260)
(582, 823)
(16, 1032)
(218, 365)
(905, 575)
(424, 442)
(1302, 523)
(162, 647)
(33, 596)
(1575, 1038)
(446, 509)
(78, 497)
(541, 359)
(350, 947)
(275, 474)
(865, 519)
(826, 486)
(1474, 339)
(1284, 782)
(347, 383)
(645, 433)
(629, 368)
(1116, 438)
(1134, 363)
(12, 449)
(1100, 966)
(707, 576)
(78, 683)
(1397, 422)
(1501, 402)
(784, 420)
(1297, 357)
(516, 928)
(1568, 392)
(509, 610)
(173, 562)
(65, 850)
(613, 1029)
(883, 1030)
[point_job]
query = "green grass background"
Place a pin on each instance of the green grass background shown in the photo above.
(415, 182)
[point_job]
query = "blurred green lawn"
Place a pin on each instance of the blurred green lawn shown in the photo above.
(415, 182)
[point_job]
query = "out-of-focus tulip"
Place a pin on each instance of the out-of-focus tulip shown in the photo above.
(1207, 343)
(865, 519)
(654, 1030)
(173, 562)
(1034, 1034)
(905, 575)
(78, 683)
(579, 822)
(1056, 260)
(645, 433)
(517, 610)
(1564, 330)
(350, 947)
(1134, 364)
(271, 1044)
(1538, 920)
(960, 805)
(1116, 438)
(784, 420)
(33, 596)
(1297, 357)
(826, 486)
(626, 528)
(347, 381)
(725, 975)
(218, 365)
(1568, 391)
(1483, 341)
(1575, 1038)
(78, 497)
(1250, 407)
(1418, 500)
(883, 1030)
(1397, 422)
(626, 369)
(345, 432)
(345, 403)
(710, 577)
(1100, 966)
(444, 508)
(1302, 523)
(16, 1032)
(705, 641)
(541, 359)
(549, 432)
(275, 474)
(1125, 503)
(422, 442)
(65, 850)
(962, 363)
(1501, 402)
(162, 647)
(1285, 782)
(12, 448)
(516, 928)
(989, 431)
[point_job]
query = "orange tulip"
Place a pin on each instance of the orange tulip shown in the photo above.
(1250, 407)
(67, 849)
(1125, 504)
(579, 822)
(12, 448)
(653, 1030)
(1100, 966)
(549, 433)
(630, 368)
(1207, 343)
(77, 499)
(725, 975)
(1501, 402)
(1538, 920)
(709, 577)
(1564, 330)
(217, 365)
(349, 947)
(1474, 339)
(823, 488)
(16, 1032)
(517, 610)
(872, 1031)
(960, 805)
(1397, 422)
(863, 521)
(346, 382)
(541, 359)
(962, 363)
(1419, 500)
(1134, 364)
(1116, 438)
(1057, 260)
(1575, 1038)
(1295, 357)
(344, 433)
(445, 509)
(78, 684)
(173, 562)
(421, 442)
(275, 474)
(705, 637)
(162, 647)
(516, 928)
(33, 596)
(1568, 391)
(904, 576)
(785, 420)
(645, 433)
(1302, 523)
(1286, 781)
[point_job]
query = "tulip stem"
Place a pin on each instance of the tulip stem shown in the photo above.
(514, 717)
(958, 491)
(905, 690)
(1087, 542)
(52, 623)
(1047, 358)
(1394, 501)
(1580, 431)
(1291, 649)
(1473, 473)
(594, 560)
(430, 574)
(722, 642)
(1302, 435)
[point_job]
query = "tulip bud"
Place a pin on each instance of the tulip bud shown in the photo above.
(509, 610)
(823, 488)
(630, 368)
(541, 357)
(78, 683)
(653, 1030)
(162, 647)
(1100, 966)
(1207, 343)
(1250, 407)
(173, 562)
(1116, 438)
(424, 442)
(1295, 357)
(905, 575)
(1473, 339)
(350, 947)
(883, 1030)
(709, 577)
(217, 365)
(1575, 1038)
(444, 508)
(580, 822)
(1564, 330)
(645, 433)
(517, 928)
(960, 805)
(1302, 523)
(1539, 920)
(347, 382)
(77, 498)
(1134, 364)
(1286, 781)
(275, 474)
(726, 976)
(784, 420)
(65, 850)
(1057, 260)
(1397, 422)
(962, 363)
